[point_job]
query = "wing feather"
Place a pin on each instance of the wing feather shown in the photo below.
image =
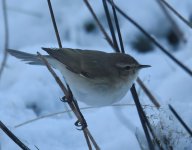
(76, 61)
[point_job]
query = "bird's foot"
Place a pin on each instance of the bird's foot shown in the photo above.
(65, 99)
(81, 125)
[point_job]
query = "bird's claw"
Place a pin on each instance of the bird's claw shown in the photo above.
(64, 99)
(81, 125)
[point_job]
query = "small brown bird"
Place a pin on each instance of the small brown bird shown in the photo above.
(96, 78)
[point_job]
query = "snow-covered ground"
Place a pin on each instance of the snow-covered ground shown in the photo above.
(27, 92)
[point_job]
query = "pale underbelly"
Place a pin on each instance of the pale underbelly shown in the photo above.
(99, 95)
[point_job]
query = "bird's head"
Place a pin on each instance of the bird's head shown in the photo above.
(127, 65)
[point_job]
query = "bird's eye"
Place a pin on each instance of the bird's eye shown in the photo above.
(127, 67)
(124, 66)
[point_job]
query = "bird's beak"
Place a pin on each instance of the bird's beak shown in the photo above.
(143, 66)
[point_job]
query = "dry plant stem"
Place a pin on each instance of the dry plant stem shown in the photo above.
(87, 140)
(54, 24)
(92, 139)
(69, 98)
(62, 112)
(6, 37)
(141, 116)
(26, 12)
(13, 137)
(180, 120)
(116, 47)
(99, 24)
(144, 118)
(177, 14)
(110, 41)
(146, 90)
(118, 30)
(41, 117)
(63, 88)
(175, 26)
(55, 29)
(165, 51)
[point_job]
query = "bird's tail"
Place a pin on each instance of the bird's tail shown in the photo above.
(31, 59)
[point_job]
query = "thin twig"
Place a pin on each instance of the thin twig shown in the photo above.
(66, 111)
(54, 24)
(6, 44)
(111, 26)
(55, 29)
(165, 51)
(175, 26)
(177, 14)
(63, 88)
(26, 12)
(118, 30)
(146, 90)
(141, 116)
(92, 139)
(13, 137)
(87, 140)
(180, 120)
(41, 117)
(99, 24)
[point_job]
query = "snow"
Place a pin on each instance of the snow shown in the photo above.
(27, 92)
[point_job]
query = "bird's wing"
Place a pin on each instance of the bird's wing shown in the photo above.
(88, 63)
(75, 60)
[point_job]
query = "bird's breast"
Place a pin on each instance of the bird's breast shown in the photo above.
(98, 94)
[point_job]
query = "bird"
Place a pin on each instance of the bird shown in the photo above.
(96, 78)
